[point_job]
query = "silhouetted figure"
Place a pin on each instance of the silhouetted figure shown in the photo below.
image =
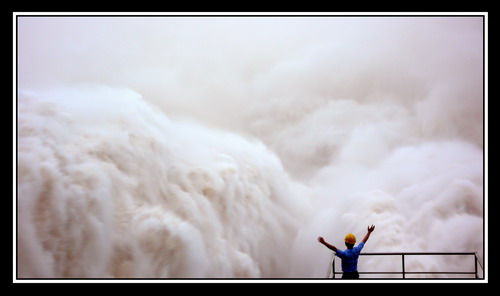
(350, 255)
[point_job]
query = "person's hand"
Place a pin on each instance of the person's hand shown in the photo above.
(321, 240)
(371, 228)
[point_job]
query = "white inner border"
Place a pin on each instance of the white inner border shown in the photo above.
(324, 281)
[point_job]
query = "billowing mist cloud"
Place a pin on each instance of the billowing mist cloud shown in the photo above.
(222, 147)
(114, 188)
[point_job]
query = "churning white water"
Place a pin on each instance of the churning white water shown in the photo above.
(221, 147)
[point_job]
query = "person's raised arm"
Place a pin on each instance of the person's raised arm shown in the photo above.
(370, 230)
(331, 247)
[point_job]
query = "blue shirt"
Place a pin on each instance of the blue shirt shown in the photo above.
(350, 257)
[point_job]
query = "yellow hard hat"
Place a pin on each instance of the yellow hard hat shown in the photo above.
(350, 239)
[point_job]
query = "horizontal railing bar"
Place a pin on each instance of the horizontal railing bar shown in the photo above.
(374, 272)
(441, 272)
(412, 278)
(418, 253)
(415, 272)
(411, 272)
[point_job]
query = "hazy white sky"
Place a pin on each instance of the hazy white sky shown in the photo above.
(203, 66)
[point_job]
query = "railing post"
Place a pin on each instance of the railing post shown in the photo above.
(333, 267)
(403, 261)
(475, 265)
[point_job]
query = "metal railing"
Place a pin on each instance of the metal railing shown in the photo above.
(405, 273)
